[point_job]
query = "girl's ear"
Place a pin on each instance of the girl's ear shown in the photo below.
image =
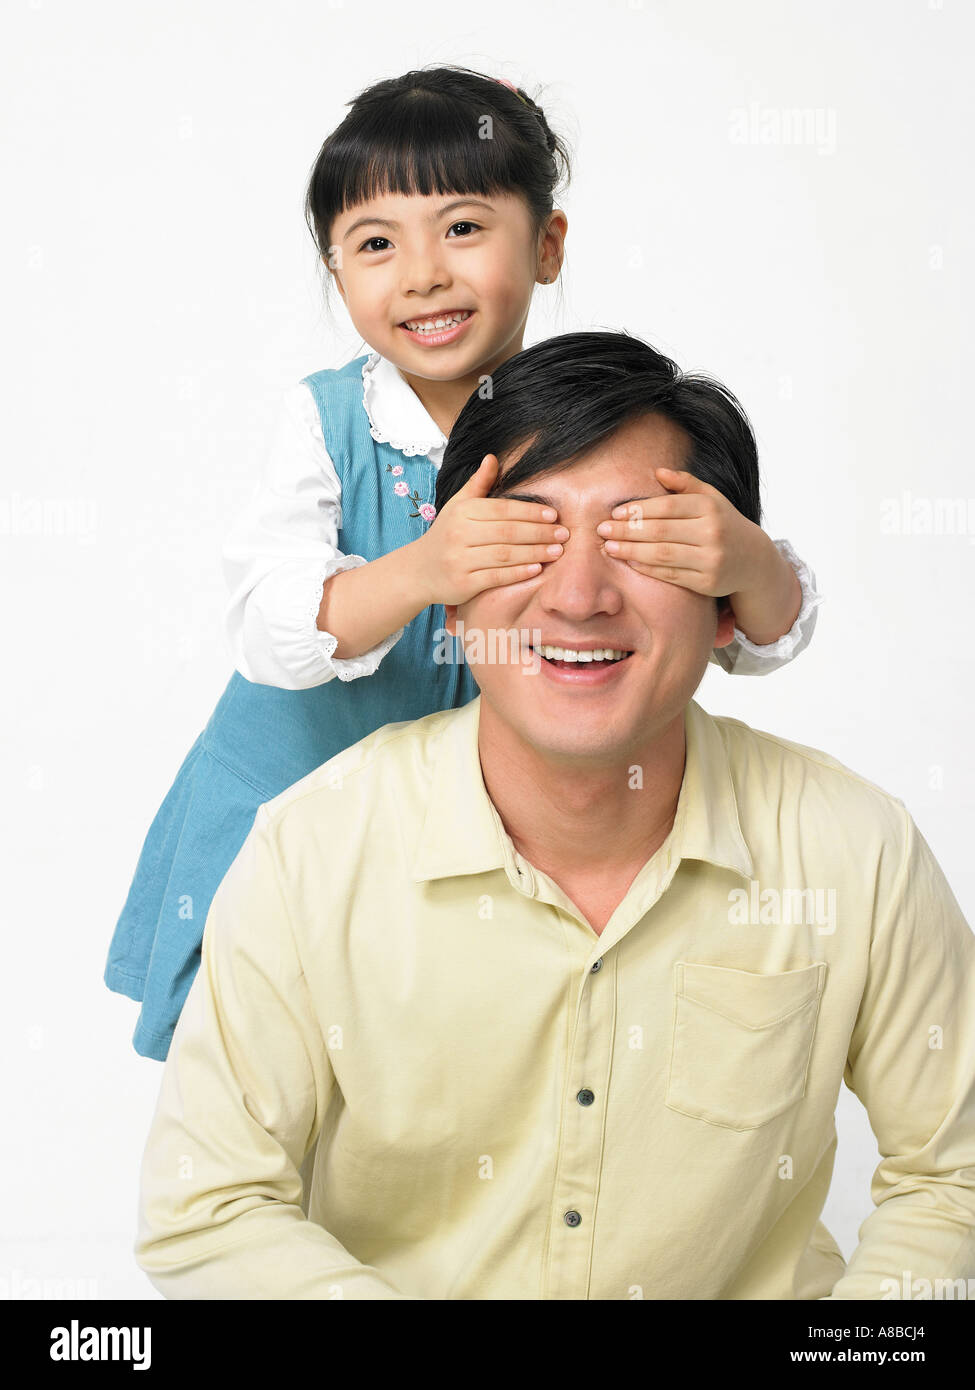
(332, 271)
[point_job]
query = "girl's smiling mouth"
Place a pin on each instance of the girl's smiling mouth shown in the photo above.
(435, 329)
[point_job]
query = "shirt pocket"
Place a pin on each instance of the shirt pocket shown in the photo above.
(741, 1042)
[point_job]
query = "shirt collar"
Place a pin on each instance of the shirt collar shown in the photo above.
(462, 832)
(396, 414)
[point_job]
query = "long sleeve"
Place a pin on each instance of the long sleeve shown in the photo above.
(279, 551)
(742, 657)
(911, 1062)
(244, 1093)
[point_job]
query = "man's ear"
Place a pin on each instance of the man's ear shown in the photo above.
(726, 624)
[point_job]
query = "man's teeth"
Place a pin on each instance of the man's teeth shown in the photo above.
(568, 654)
(431, 325)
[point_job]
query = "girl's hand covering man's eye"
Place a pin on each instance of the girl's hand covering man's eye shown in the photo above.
(692, 536)
(479, 542)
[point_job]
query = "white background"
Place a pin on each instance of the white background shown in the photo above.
(161, 290)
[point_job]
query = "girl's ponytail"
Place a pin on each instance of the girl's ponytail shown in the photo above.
(551, 143)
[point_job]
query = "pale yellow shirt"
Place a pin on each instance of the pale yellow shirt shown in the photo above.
(508, 1106)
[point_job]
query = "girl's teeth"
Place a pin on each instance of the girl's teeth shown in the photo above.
(432, 325)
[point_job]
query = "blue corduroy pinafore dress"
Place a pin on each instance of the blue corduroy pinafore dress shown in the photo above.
(259, 739)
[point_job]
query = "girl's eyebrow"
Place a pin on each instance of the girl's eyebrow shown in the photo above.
(394, 226)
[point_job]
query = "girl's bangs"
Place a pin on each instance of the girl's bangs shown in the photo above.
(422, 157)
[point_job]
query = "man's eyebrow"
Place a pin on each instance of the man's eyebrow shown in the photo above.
(434, 216)
(547, 502)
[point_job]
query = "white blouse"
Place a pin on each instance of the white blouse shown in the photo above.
(282, 546)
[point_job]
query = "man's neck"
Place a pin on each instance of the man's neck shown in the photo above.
(590, 826)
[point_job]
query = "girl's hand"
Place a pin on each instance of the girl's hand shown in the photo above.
(478, 542)
(694, 537)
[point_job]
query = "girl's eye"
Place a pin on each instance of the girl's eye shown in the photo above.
(368, 245)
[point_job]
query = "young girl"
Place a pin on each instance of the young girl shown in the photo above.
(432, 206)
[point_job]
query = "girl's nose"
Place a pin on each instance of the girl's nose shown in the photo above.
(423, 275)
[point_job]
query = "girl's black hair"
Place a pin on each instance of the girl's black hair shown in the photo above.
(436, 130)
(570, 392)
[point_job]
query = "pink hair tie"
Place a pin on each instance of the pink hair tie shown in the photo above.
(505, 83)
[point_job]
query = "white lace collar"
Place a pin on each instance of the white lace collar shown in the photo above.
(395, 412)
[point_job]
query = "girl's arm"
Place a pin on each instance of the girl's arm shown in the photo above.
(277, 555)
(301, 612)
(372, 599)
(745, 657)
(767, 608)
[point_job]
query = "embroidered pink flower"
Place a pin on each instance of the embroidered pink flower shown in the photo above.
(402, 489)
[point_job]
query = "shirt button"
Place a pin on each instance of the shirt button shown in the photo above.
(572, 1218)
(585, 1097)
(597, 966)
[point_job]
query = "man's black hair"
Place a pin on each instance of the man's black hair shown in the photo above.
(570, 392)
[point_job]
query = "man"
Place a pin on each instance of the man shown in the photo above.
(564, 983)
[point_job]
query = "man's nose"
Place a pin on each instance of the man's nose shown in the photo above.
(583, 580)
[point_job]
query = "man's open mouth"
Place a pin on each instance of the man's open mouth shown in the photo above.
(573, 656)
